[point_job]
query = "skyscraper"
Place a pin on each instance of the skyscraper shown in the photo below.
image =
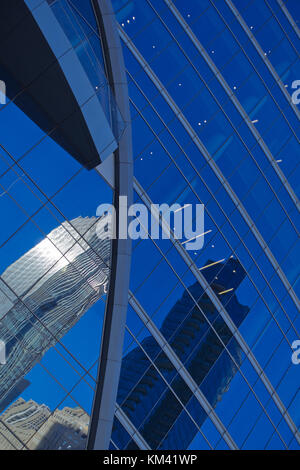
(142, 393)
(33, 426)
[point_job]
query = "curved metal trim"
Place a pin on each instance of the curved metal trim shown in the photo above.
(115, 316)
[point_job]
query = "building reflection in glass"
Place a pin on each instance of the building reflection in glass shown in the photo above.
(145, 397)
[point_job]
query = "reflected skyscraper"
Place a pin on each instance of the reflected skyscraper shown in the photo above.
(144, 396)
(45, 293)
(33, 425)
(161, 102)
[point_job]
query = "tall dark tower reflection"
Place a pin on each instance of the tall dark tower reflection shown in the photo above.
(145, 397)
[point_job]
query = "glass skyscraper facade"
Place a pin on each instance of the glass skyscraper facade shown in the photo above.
(54, 266)
(149, 346)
